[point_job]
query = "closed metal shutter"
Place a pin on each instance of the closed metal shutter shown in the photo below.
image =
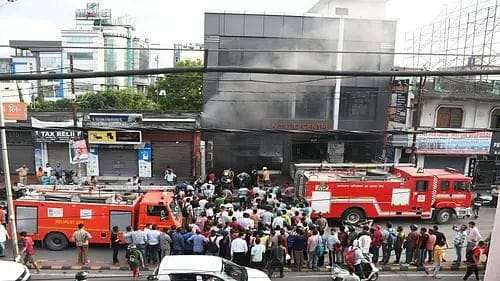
(59, 153)
(179, 156)
(118, 162)
(442, 162)
(19, 155)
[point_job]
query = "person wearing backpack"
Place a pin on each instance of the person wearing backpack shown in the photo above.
(389, 238)
(321, 248)
(277, 259)
(399, 244)
(212, 244)
(354, 259)
(135, 261)
(473, 258)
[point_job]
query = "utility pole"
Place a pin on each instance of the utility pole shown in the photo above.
(8, 186)
(73, 106)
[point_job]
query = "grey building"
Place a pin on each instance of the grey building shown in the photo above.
(278, 105)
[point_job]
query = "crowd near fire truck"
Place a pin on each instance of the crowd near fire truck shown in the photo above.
(52, 216)
(349, 193)
(352, 193)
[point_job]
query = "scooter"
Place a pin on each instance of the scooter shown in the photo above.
(342, 273)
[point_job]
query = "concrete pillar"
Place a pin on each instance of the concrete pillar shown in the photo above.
(420, 161)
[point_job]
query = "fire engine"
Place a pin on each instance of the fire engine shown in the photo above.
(353, 193)
(52, 217)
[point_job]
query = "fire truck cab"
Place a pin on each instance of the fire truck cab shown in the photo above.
(53, 217)
(355, 194)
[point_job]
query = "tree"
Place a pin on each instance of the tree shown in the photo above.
(179, 91)
(126, 100)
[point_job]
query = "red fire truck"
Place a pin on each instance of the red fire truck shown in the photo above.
(52, 217)
(363, 191)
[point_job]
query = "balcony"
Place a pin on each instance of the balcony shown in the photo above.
(462, 88)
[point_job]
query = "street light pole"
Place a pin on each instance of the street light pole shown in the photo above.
(8, 186)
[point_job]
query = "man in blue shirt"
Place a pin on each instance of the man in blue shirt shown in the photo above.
(188, 244)
(198, 243)
(177, 242)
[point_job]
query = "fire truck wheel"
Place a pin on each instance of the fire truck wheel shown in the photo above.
(56, 241)
(353, 216)
(443, 216)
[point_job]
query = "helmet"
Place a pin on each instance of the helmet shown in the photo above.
(132, 246)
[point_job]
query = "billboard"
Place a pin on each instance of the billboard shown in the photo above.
(115, 137)
(15, 111)
(475, 143)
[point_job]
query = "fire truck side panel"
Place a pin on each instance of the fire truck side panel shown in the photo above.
(63, 217)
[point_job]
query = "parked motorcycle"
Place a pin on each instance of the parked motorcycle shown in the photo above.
(342, 273)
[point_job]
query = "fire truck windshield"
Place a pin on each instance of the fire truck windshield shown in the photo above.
(462, 186)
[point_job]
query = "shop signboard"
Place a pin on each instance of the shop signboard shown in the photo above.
(15, 111)
(495, 144)
(115, 137)
(474, 143)
(56, 136)
(144, 159)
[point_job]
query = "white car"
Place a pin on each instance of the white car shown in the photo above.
(204, 268)
(13, 271)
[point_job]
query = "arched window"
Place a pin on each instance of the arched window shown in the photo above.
(495, 119)
(449, 117)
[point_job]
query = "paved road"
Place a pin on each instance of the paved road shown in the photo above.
(54, 275)
(102, 254)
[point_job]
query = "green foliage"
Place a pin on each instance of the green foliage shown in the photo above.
(179, 91)
(51, 106)
(123, 100)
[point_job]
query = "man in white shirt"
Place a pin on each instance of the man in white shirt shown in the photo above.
(365, 240)
(473, 236)
(4, 235)
(239, 249)
(153, 244)
(246, 222)
(278, 222)
(267, 218)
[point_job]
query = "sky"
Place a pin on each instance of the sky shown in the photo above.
(168, 21)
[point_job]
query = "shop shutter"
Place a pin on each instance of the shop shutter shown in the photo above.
(59, 153)
(118, 162)
(19, 155)
(179, 156)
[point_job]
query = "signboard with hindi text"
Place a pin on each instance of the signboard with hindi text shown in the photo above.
(474, 143)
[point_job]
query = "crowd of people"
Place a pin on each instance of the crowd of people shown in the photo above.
(265, 228)
(247, 219)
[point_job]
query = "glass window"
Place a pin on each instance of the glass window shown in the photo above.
(449, 117)
(445, 186)
(158, 211)
(461, 186)
(310, 106)
(358, 105)
(422, 186)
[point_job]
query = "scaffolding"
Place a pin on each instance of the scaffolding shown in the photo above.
(462, 37)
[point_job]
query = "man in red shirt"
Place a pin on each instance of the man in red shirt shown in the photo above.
(473, 259)
(377, 238)
(28, 251)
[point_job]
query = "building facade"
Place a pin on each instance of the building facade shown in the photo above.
(459, 104)
(30, 56)
(102, 42)
(283, 104)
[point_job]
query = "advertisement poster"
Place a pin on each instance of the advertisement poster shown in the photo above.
(78, 152)
(144, 157)
(93, 162)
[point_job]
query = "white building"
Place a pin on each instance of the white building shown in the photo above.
(366, 9)
(462, 106)
(105, 43)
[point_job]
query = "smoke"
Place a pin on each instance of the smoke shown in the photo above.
(252, 104)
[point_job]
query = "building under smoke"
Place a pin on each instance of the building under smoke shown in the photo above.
(272, 104)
